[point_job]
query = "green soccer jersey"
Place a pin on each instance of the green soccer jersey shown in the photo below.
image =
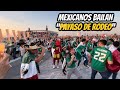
(28, 57)
(73, 65)
(80, 49)
(89, 46)
(53, 44)
(100, 55)
(63, 53)
(39, 50)
(63, 44)
(74, 44)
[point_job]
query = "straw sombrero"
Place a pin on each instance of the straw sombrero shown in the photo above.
(32, 47)
(10, 44)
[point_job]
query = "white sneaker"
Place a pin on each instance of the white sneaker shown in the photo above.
(57, 66)
(53, 66)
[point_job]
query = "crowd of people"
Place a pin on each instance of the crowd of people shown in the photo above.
(100, 52)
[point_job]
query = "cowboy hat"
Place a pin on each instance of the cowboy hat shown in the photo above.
(32, 47)
(10, 44)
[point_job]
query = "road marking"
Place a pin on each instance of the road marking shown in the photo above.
(15, 60)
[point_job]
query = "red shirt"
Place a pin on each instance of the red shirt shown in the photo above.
(57, 51)
(115, 67)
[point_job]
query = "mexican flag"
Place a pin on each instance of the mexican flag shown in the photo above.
(28, 68)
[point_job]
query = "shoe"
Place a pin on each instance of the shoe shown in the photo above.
(64, 73)
(57, 66)
(87, 66)
(53, 66)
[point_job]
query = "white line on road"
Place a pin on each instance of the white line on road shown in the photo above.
(15, 60)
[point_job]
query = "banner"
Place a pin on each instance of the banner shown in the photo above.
(8, 35)
(1, 36)
(15, 37)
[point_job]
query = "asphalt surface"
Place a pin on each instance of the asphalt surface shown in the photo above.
(47, 72)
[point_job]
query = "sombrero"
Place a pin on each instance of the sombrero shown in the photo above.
(32, 47)
(10, 44)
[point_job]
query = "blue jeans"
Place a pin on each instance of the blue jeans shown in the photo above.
(114, 75)
(103, 74)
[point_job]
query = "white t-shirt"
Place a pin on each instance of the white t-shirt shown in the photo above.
(112, 48)
(22, 51)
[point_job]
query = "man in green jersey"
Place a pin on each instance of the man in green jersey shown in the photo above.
(99, 57)
(71, 64)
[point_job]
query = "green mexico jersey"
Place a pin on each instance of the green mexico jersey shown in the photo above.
(63, 44)
(63, 53)
(73, 65)
(89, 46)
(100, 55)
(39, 50)
(53, 44)
(28, 57)
(74, 44)
(80, 49)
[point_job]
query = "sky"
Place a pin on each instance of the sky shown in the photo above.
(37, 20)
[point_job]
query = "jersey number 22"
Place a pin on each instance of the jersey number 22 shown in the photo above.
(99, 56)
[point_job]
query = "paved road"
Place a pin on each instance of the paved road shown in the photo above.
(47, 72)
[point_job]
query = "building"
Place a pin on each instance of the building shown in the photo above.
(43, 34)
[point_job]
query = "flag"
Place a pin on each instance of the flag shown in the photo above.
(28, 67)
(8, 35)
(1, 36)
(15, 38)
